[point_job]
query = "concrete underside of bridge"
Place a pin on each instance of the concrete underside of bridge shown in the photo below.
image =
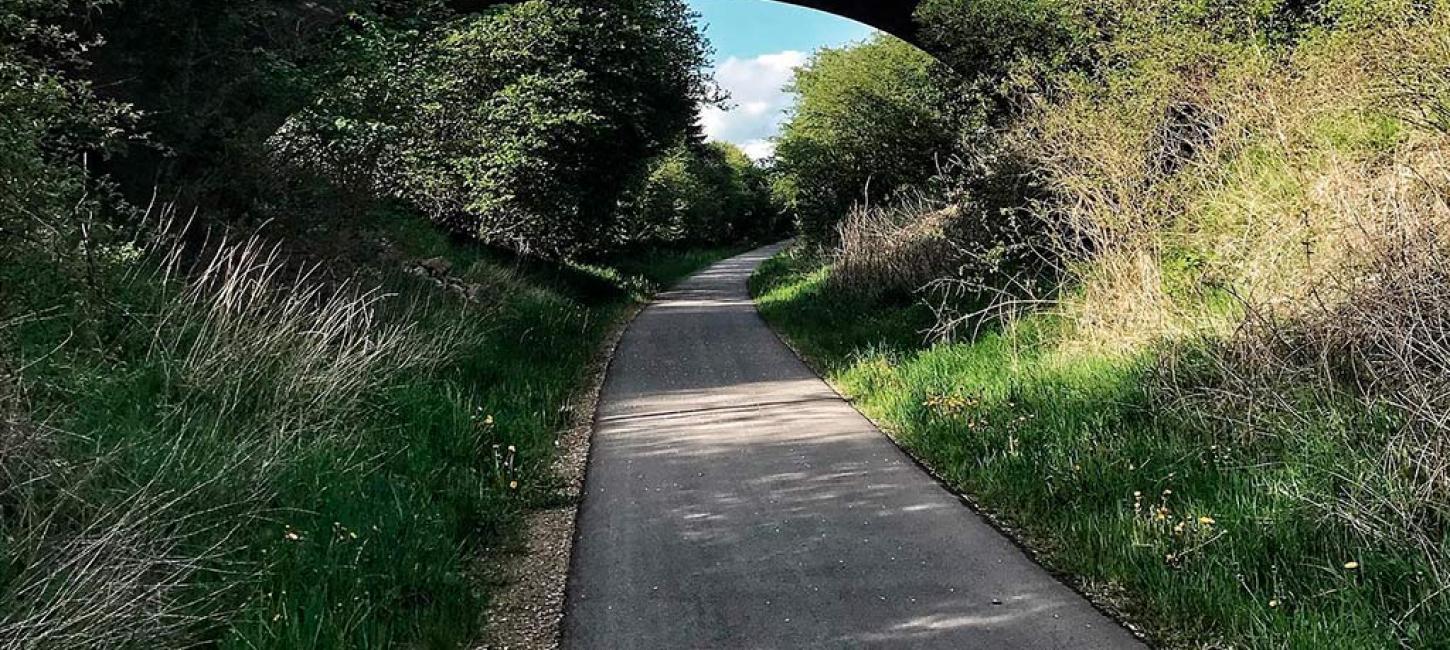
(890, 16)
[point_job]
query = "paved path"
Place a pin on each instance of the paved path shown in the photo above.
(733, 500)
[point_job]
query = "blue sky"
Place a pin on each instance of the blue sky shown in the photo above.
(757, 44)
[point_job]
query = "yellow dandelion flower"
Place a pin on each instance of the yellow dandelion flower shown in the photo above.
(1351, 565)
(1207, 521)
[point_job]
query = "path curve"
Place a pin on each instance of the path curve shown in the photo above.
(734, 500)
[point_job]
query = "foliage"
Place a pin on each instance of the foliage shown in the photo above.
(522, 124)
(702, 193)
(1230, 288)
(53, 123)
(871, 122)
(212, 79)
(996, 43)
(522, 127)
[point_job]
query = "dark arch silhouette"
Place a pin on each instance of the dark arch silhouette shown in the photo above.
(891, 16)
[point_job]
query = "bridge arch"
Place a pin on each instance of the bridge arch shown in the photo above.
(894, 17)
(891, 16)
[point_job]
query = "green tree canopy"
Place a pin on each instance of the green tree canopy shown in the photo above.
(870, 121)
(701, 193)
(523, 126)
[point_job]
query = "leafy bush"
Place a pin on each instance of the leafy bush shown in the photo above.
(994, 42)
(53, 126)
(880, 131)
(212, 80)
(521, 124)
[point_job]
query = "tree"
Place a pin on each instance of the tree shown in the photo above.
(51, 125)
(870, 122)
(700, 193)
(522, 127)
(213, 79)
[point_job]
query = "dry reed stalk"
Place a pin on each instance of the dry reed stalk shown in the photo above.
(894, 250)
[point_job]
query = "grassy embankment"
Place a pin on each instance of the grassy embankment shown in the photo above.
(1227, 418)
(242, 457)
(1195, 532)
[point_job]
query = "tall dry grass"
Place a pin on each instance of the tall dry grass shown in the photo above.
(1370, 335)
(23, 445)
(1241, 169)
(895, 250)
(973, 264)
(248, 314)
(1295, 243)
(139, 539)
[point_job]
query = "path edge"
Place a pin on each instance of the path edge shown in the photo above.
(1101, 601)
(528, 611)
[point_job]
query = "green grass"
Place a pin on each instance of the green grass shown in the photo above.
(1059, 444)
(338, 500)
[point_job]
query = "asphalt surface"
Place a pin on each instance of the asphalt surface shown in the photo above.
(733, 500)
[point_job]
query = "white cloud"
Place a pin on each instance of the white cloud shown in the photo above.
(758, 100)
(759, 149)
